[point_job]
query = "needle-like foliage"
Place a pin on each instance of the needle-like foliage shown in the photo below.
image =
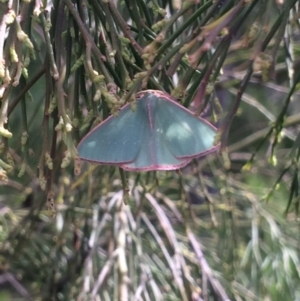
(223, 228)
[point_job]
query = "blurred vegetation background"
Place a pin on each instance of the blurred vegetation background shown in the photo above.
(226, 227)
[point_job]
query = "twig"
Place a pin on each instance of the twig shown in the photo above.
(54, 70)
(292, 120)
(88, 39)
(218, 288)
(169, 259)
(104, 272)
(32, 81)
(124, 27)
(8, 277)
